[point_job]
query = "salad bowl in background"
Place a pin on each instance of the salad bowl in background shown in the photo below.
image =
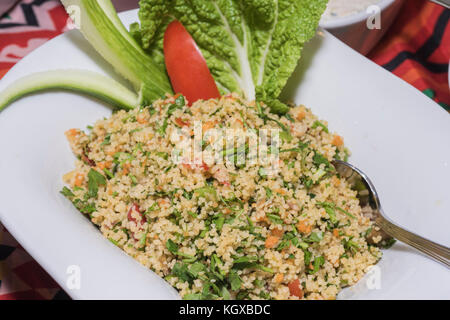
(353, 30)
(384, 122)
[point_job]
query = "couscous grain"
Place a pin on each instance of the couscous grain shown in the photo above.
(223, 230)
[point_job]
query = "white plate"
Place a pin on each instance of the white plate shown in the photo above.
(397, 135)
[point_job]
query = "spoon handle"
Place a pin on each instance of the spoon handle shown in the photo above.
(445, 3)
(432, 249)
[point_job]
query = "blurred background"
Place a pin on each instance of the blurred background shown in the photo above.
(409, 38)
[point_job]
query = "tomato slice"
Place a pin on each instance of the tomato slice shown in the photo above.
(187, 69)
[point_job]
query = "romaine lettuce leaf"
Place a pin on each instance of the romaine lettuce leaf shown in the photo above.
(251, 46)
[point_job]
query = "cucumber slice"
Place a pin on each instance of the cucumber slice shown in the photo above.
(100, 25)
(87, 82)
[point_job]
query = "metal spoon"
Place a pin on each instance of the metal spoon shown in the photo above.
(368, 196)
(445, 3)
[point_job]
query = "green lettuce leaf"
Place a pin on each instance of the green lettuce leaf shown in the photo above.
(251, 46)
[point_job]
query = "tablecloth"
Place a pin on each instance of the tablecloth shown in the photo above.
(416, 48)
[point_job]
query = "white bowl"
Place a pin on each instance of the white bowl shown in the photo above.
(353, 29)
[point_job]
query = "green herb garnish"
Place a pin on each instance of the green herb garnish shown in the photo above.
(95, 179)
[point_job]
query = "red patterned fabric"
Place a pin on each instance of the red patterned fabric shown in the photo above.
(416, 48)
(21, 277)
(29, 25)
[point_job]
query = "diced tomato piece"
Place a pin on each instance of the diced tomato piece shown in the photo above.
(181, 123)
(86, 160)
(204, 166)
(295, 288)
(136, 208)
